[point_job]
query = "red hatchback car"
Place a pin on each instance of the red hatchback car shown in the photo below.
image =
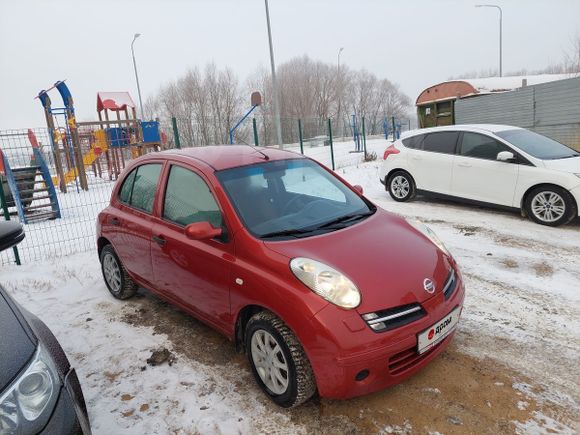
(324, 291)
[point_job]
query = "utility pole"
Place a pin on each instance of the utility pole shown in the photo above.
(274, 82)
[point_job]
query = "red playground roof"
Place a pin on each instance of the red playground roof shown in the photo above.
(114, 101)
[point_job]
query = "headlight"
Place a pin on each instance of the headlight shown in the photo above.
(427, 232)
(326, 281)
(28, 403)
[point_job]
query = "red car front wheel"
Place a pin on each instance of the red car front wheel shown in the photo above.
(278, 361)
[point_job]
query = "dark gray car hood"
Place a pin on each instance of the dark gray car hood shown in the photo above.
(16, 343)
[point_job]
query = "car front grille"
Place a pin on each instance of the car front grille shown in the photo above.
(385, 320)
(450, 285)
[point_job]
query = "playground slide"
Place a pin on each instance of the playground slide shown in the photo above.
(100, 146)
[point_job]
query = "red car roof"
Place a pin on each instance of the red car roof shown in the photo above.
(230, 156)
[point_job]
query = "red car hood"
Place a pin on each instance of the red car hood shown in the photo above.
(384, 256)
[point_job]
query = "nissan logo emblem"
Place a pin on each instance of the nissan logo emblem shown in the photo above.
(428, 285)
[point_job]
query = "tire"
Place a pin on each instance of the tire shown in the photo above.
(115, 275)
(300, 382)
(550, 205)
(401, 186)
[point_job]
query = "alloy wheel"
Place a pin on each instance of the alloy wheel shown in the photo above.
(400, 186)
(548, 206)
(269, 361)
(112, 272)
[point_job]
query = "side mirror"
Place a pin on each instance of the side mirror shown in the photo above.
(358, 188)
(11, 234)
(202, 231)
(506, 156)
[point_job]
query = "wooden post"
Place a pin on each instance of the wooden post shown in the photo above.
(120, 124)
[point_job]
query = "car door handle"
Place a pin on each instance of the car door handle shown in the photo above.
(115, 221)
(160, 240)
(464, 165)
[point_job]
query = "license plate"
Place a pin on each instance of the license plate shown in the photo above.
(437, 332)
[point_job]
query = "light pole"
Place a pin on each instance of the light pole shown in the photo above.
(274, 82)
(500, 31)
(137, 75)
(339, 80)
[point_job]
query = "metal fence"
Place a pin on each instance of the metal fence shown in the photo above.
(59, 215)
(551, 109)
(55, 225)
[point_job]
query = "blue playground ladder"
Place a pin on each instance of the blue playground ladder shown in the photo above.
(18, 177)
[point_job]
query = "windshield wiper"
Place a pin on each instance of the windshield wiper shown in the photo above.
(289, 232)
(346, 218)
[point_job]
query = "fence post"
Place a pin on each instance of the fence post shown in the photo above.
(175, 132)
(364, 137)
(4, 205)
(256, 142)
(301, 136)
(394, 129)
(331, 144)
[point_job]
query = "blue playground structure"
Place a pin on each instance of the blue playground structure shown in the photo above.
(29, 188)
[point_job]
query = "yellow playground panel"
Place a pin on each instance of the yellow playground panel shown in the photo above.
(99, 146)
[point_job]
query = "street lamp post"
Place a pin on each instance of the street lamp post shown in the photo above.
(339, 80)
(137, 75)
(274, 82)
(500, 31)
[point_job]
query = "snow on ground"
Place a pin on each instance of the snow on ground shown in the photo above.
(522, 310)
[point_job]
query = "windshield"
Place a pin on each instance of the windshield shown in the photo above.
(291, 198)
(536, 145)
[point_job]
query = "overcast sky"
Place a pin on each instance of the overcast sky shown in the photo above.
(412, 43)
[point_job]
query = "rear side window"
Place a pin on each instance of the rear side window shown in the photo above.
(139, 187)
(443, 142)
(481, 146)
(414, 142)
(188, 199)
(125, 193)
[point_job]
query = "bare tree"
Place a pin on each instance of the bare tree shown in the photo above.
(207, 104)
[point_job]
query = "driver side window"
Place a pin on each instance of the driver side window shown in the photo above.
(481, 146)
(188, 199)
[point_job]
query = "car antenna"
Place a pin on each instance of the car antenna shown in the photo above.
(260, 152)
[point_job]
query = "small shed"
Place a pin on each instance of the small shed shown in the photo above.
(436, 104)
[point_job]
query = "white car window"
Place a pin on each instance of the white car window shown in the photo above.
(481, 146)
(443, 142)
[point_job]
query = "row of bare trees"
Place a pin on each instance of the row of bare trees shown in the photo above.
(208, 103)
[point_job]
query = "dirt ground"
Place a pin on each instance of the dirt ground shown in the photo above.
(456, 394)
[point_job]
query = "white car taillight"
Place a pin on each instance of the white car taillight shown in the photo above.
(390, 150)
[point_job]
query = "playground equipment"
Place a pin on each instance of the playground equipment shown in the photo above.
(29, 188)
(124, 133)
(99, 146)
(255, 100)
(77, 146)
(65, 141)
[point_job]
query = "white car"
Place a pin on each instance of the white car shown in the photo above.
(496, 165)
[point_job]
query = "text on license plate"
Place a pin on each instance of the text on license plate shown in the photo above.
(437, 332)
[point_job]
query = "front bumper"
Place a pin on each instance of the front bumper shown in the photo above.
(576, 194)
(350, 347)
(70, 413)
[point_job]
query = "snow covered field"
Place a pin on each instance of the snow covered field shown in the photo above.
(513, 366)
